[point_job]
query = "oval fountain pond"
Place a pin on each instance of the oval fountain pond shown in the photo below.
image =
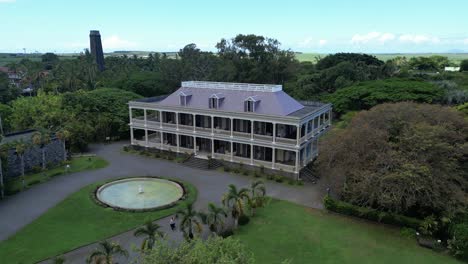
(140, 193)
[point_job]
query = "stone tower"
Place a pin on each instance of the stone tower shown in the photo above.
(96, 48)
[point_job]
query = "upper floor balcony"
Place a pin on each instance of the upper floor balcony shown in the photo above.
(224, 127)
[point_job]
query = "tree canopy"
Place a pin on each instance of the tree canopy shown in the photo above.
(365, 95)
(354, 58)
(405, 157)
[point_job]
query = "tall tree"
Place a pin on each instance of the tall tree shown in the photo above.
(151, 232)
(191, 221)
(105, 253)
(257, 195)
(215, 218)
(63, 135)
(20, 149)
(235, 200)
(41, 139)
(406, 158)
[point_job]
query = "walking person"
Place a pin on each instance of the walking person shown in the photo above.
(172, 223)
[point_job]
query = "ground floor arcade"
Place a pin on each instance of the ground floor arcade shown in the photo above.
(271, 156)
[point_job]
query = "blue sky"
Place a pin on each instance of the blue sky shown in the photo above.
(307, 26)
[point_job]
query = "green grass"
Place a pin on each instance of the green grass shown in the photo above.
(74, 222)
(453, 57)
(76, 165)
(285, 230)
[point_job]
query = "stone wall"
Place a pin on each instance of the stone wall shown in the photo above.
(33, 158)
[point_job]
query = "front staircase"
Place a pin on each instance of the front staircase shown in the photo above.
(306, 174)
(204, 164)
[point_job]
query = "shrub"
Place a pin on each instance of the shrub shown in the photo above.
(56, 173)
(34, 182)
(408, 232)
(370, 213)
(270, 177)
(236, 170)
(126, 148)
(226, 233)
(291, 182)
(36, 169)
(279, 178)
(243, 220)
(458, 245)
(245, 172)
(257, 174)
(227, 169)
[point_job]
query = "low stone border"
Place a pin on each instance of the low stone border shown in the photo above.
(162, 207)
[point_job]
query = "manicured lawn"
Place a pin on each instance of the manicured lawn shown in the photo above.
(76, 165)
(284, 230)
(74, 222)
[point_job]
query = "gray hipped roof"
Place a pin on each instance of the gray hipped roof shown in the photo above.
(269, 102)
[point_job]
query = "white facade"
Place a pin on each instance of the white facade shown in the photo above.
(285, 143)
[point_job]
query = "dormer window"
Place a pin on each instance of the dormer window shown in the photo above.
(215, 100)
(251, 103)
(184, 98)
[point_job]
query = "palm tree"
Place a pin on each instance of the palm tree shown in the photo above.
(150, 230)
(106, 253)
(20, 148)
(63, 135)
(257, 195)
(41, 139)
(190, 221)
(235, 200)
(214, 218)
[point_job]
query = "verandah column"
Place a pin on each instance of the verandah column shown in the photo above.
(232, 151)
(177, 120)
(212, 125)
(212, 148)
(160, 119)
(146, 137)
(251, 154)
(298, 134)
(296, 169)
(273, 158)
(130, 115)
(144, 116)
(194, 145)
(274, 133)
(131, 135)
(251, 129)
(178, 144)
(232, 129)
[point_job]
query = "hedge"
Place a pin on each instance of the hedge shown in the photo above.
(458, 245)
(370, 214)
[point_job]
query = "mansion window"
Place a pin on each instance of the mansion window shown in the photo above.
(215, 100)
(184, 98)
(213, 103)
(251, 103)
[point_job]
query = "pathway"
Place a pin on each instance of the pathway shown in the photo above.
(22, 208)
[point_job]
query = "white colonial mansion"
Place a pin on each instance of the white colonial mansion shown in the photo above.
(255, 124)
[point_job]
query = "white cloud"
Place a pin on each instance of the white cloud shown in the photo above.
(115, 42)
(386, 37)
(418, 39)
(465, 41)
(7, 1)
(372, 37)
(322, 42)
(311, 42)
